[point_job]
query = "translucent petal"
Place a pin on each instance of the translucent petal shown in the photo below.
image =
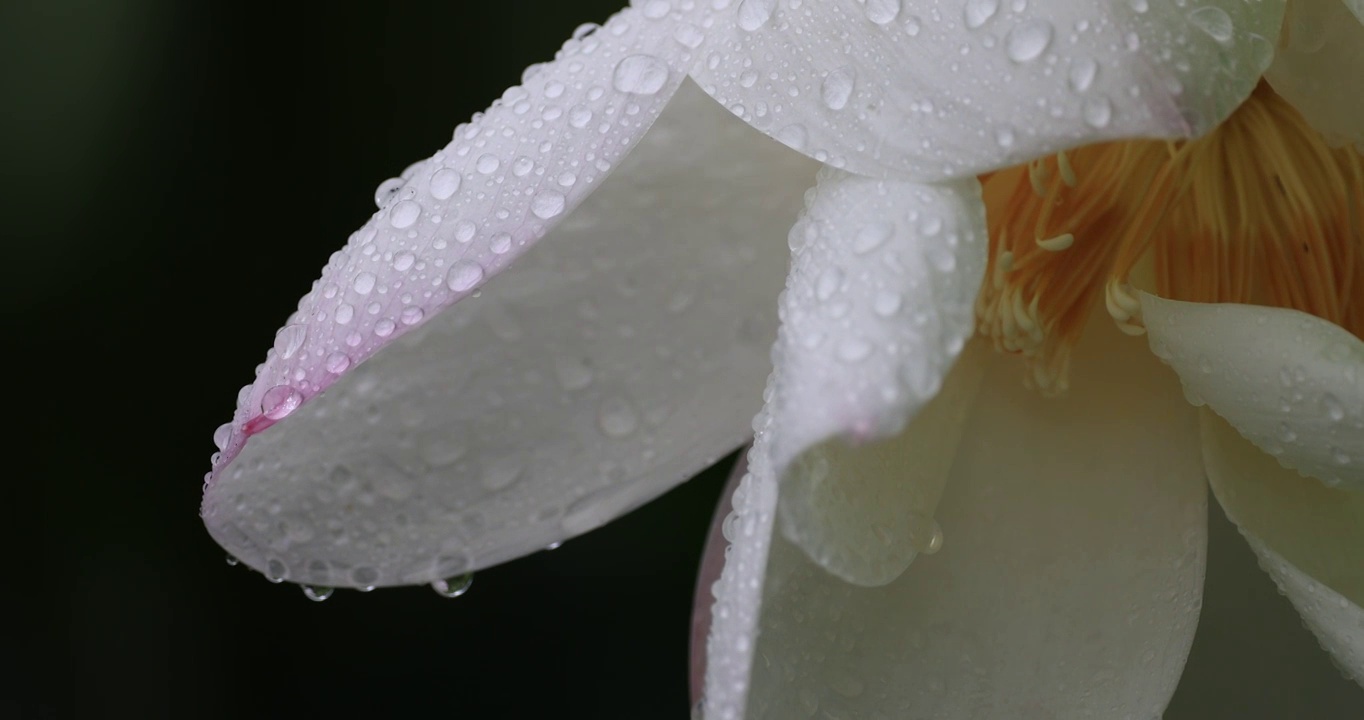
(463, 215)
(612, 362)
(878, 305)
(1319, 66)
(1310, 538)
(1067, 585)
(949, 89)
(1291, 383)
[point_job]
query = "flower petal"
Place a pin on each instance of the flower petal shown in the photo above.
(609, 364)
(1319, 66)
(463, 215)
(1067, 586)
(879, 303)
(1310, 538)
(881, 87)
(1291, 383)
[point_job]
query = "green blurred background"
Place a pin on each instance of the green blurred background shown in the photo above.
(174, 174)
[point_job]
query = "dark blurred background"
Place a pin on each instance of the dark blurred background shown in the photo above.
(174, 174)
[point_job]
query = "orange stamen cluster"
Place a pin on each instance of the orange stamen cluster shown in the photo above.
(1259, 211)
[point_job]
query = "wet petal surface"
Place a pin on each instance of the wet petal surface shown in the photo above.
(618, 358)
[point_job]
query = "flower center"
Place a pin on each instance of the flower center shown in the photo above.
(1259, 211)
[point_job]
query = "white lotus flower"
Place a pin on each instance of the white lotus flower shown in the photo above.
(627, 350)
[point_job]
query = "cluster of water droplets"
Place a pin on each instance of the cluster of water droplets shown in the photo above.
(447, 224)
(954, 88)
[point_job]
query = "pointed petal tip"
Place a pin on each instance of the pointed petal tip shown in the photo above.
(1289, 382)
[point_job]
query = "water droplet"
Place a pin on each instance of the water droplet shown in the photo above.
(883, 12)
(579, 116)
(487, 164)
(464, 231)
(753, 14)
(404, 214)
(386, 191)
(1028, 40)
(232, 562)
(1214, 21)
(275, 571)
(1082, 73)
(870, 237)
(345, 312)
(289, 339)
(364, 283)
(222, 436)
(1098, 112)
(444, 183)
(464, 275)
(500, 243)
(453, 587)
(317, 593)
(279, 401)
(640, 75)
(837, 88)
(337, 363)
(1332, 407)
(547, 204)
(978, 12)
(655, 9)
(617, 417)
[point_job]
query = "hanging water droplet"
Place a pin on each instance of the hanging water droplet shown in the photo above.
(232, 561)
(317, 593)
(640, 75)
(275, 571)
(386, 190)
(453, 587)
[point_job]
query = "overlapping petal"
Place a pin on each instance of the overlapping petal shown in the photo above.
(951, 88)
(1319, 66)
(1309, 537)
(463, 215)
(1291, 383)
(1071, 530)
(616, 359)
(878, 305)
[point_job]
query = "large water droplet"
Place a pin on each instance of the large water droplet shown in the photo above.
(444, 183)
(1027, 41)
(978, 12)
(1082, 73)
(753, 14)
(1098, 112)
(837, 88)
(386, 191)
(617, 417)
(463, 275)
(547, 204)
(279, 401)
(453, 587)
(404, 214)
(883, 12)
(640, 75)
(1214, 21)
(317, 593)
(289, 339)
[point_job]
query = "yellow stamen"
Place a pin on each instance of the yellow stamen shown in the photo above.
(1259, 211)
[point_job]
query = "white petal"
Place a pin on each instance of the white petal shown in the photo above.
(879, 303)
(1291, 383)
(609, 364)
(1319, 66)
(1337, 622)
(463, 215)
(1067, 586)
(1309, 537)
(932, 90)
